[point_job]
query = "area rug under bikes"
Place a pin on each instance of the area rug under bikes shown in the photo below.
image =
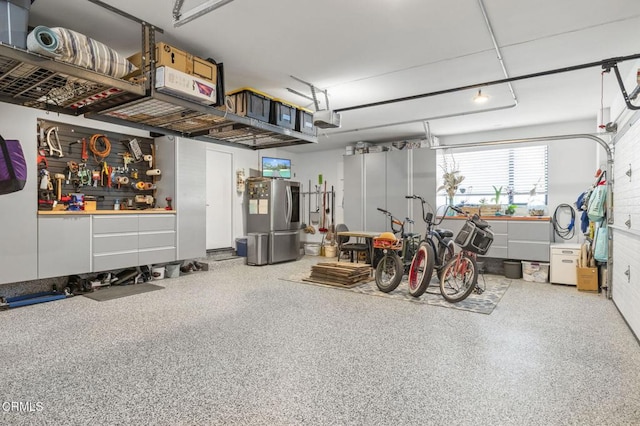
(494, 288)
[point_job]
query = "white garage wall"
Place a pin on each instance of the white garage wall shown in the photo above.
(307, 167)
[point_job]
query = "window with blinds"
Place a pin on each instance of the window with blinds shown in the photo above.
(518, 170)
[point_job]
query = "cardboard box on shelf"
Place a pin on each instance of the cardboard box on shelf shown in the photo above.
(172, 57)
(587, 279)
(185, 85)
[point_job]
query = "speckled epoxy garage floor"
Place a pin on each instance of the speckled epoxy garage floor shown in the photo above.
(239, 345)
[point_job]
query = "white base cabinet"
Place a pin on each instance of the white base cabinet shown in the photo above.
(125, 241)
(64, 245)
(79, 244)
(514, 239)
(564, 261)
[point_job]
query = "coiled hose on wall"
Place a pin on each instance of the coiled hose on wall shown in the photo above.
(566, 233)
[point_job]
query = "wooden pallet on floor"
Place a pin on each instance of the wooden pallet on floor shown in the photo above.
(340, 274)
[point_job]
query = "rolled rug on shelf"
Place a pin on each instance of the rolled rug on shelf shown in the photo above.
(78, 49)
(44, 41)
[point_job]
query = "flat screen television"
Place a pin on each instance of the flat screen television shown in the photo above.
(276, 167)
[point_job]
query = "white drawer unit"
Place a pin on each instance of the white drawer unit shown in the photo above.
(564, 261)
(131, 240)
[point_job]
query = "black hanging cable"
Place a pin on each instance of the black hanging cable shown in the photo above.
(566, 233)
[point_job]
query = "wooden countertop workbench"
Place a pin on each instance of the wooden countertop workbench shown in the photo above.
(86, 212)
(505, 217)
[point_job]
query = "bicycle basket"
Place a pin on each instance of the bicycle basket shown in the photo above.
(387, 241)
(474, 239)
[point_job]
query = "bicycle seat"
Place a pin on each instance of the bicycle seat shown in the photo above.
(411, 235)
(481, 224)
(444, 233)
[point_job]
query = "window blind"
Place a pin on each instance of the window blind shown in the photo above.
(517, 170)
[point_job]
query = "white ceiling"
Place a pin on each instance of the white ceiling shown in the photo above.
(365, 51)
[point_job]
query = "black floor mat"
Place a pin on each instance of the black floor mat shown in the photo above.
(117, 292)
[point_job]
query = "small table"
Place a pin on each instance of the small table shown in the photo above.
(366, 235)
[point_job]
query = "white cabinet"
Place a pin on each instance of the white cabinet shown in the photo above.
(564, 261)
(64, 245)
(184, 178)
(131, 240)
(115, 242)
(514, 239)
(382, 180)
(156, 238)
(529, 240)
(499, 248)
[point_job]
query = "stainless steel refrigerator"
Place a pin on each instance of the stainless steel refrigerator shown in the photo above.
(272, 206)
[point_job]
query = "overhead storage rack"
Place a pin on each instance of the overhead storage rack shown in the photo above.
(36, 81)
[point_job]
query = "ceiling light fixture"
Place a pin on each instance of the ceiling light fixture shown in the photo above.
(480, 98)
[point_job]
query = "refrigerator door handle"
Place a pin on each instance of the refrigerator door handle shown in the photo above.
(289, 202)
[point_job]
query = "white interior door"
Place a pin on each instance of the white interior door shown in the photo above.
(220, 187)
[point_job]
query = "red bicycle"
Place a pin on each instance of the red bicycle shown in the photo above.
(460, 275)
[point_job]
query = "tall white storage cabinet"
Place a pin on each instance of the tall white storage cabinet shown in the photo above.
(372, 181)
(626, 228)
(184, 172)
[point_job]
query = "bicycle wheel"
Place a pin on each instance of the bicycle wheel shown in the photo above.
(389, 273)
(421, 270)
(410, 251)
(446, 255)
(459, 277)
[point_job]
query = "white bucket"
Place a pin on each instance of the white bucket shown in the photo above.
(312, 249)
(157, 272)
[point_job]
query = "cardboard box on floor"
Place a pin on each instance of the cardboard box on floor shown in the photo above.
(587, 279)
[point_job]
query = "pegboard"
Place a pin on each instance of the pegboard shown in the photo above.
(116, 144)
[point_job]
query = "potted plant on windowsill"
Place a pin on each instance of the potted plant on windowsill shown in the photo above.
(451, 180)
(510, 210)
(493, 209)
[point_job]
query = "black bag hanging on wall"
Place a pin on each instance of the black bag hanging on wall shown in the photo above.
(13, 168)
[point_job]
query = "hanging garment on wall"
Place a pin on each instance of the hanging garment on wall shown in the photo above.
(596, 210)
(601, 244)
(13, 168)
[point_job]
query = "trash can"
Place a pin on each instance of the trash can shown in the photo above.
(257, 248)
(512, 269)
(241, 246)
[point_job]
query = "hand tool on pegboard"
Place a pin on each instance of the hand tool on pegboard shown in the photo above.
(59, 177)
(85, 153)
(323, 227)
(53, 142)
